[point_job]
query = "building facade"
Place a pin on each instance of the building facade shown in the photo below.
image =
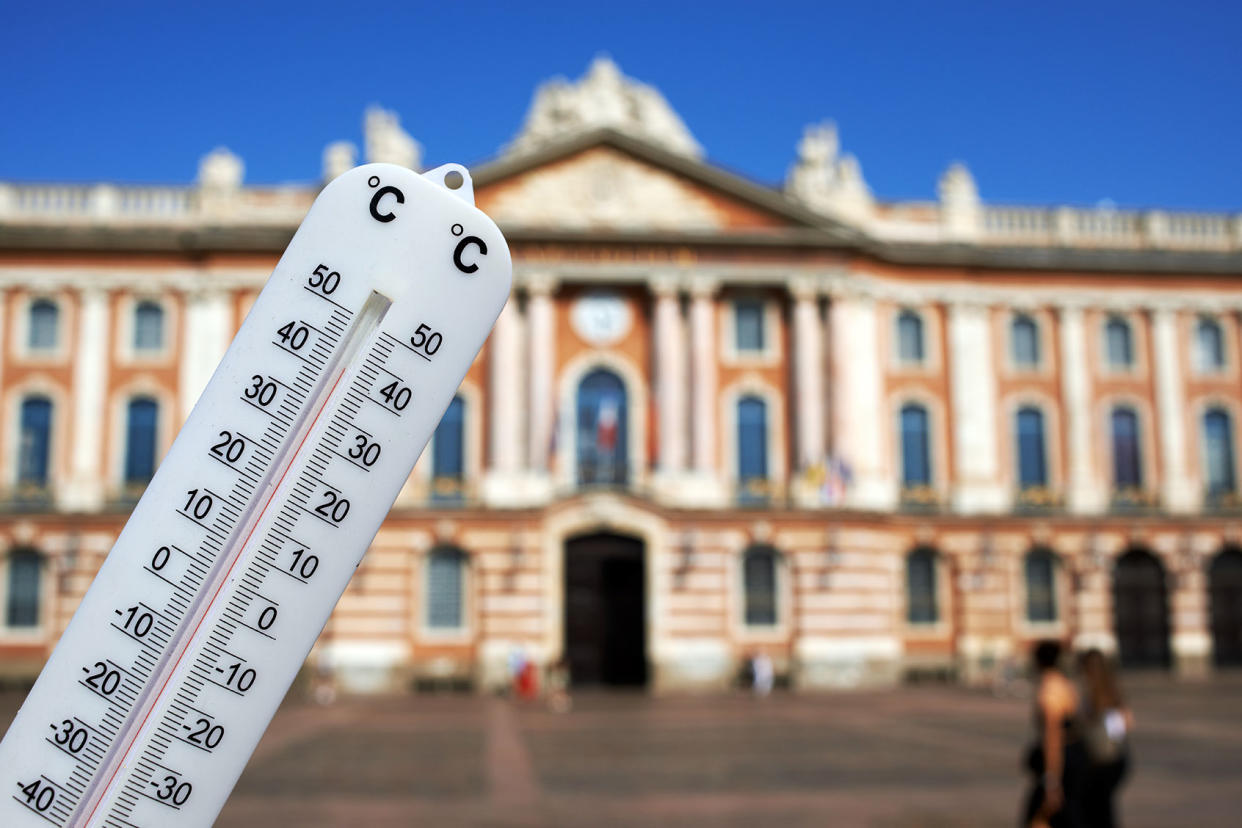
(871, 439)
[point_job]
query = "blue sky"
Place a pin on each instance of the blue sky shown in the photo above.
(1134, 102)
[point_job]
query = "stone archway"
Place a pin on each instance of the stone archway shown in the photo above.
(605, 610)
(1225, 598)
(1141, 610)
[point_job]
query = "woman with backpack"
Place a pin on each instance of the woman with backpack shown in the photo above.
(1107, 724)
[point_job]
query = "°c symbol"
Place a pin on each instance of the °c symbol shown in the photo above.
(461, 248)
(375, 202)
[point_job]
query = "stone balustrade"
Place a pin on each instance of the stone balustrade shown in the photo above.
(76, 204)
(1109, 228)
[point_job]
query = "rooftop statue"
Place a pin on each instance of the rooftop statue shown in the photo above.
(603, 98)
(387, 142)
(825, 180)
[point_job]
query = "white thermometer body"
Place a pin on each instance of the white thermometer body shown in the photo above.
(232, 561)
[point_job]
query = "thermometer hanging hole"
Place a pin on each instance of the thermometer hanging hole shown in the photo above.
(457, 229)
(454, 179)
(373, 181)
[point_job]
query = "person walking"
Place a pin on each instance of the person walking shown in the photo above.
(1057, 760)
(1107, 724)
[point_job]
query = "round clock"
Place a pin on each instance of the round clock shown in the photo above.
(601, 318)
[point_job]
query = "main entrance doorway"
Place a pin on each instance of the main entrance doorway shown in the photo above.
(1225, 578)
(605, 610)
(1141, 610)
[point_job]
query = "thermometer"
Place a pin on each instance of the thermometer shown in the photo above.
(232, 561)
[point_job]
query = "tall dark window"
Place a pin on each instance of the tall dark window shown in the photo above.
(922, 606)
(759, 576)
(1041, 592)
(448, 450)
(1209, 346)
(1024, 341)
(44, 332)
(1032, 454)
(445, 588)
(1218, 451)
(748, 324)
(148, 326)
(25, 570)
(752, 440)
(34, 451)
(915, 446)
(1120, 343)
(910, 346)
(1127, 456)
(602, 437)
(141, 422)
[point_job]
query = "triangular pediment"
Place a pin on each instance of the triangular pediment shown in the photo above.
(606, 181)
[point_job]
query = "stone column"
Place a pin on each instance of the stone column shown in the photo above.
(502, 484)
(670, 376)
(705, 486)
(977, 486)
(1083, 494)
(703, 354)
(541, 323)
(85, 488)
(860, 417)
(208, 331)
(808, 374)
(1177, 493)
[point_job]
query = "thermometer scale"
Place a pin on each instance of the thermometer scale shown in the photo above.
(232, 561)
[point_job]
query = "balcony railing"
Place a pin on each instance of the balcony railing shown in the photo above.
(27, 497)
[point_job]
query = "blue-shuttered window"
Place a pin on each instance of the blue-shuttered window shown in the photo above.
(759, 582)
(748, 325)
(1119, 343)
(44, 325)
(1024, 342)
(446, 588)
(448, 447)
(915, 446)
(141, 424)
(752, 439)
(1209, 346)
(34, 450)
(1218, 452)
(922, 606)
(910, 345)
(25, 573)
(1127, 454)
(1032, 454)
(1041, 593)
(148, 327)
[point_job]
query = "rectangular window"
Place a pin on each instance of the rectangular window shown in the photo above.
(23, 604)
(748, 323)
(444, 590)
(1041, 600)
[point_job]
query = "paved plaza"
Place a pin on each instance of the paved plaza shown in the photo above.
(917, 756)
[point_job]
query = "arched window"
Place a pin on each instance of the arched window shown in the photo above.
(25, 571)
(1218, 452)
(448, 452)
(1120, 342)
(1127, 457)
(148, 326)
(1041, 588)
(602, 437)
(915, 446)
(141, 419)
(759, 582)
(44, 332)
(1024, 341)
(910, 337)
(1209, 346)
(34, 451)
(748, 325)
(752, 442)
(446, 583)
(922, 606)
(1032, 454)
